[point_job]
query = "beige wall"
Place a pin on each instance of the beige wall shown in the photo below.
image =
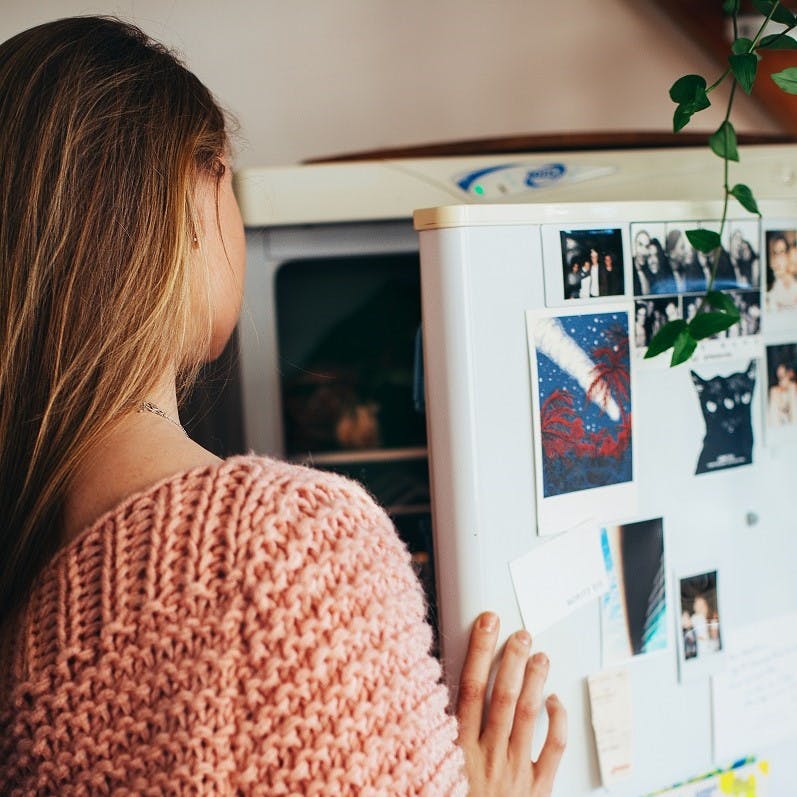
(317, 77)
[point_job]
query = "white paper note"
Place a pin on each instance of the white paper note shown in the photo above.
(612, 722)
(557, 577)
(754, 699)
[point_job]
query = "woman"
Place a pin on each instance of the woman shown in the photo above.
(170, 621)
(661, 278)
(782, 406)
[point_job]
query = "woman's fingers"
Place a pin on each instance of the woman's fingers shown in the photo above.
(475, 672)
(506, 691)
(551, 753)
(528, 707)
(498, 758)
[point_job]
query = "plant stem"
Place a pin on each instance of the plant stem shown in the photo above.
(725, 160)
(763, 25)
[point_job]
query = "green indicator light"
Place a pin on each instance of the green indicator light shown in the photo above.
(478, 189)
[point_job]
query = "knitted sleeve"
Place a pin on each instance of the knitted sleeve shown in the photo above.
(341, 694)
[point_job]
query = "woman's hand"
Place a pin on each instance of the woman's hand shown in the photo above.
(498, 756)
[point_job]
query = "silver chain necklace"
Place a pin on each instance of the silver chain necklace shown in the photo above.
(148, 406)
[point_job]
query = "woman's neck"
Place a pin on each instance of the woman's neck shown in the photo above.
(140, 450)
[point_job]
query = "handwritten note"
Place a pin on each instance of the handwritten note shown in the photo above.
(612, 722)
(557, 577)
(754, 699)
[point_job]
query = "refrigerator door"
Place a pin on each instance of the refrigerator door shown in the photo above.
(482, 269)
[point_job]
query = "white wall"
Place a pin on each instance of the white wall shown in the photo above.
(318, 77)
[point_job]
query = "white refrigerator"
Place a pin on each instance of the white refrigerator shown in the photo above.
(694, 512)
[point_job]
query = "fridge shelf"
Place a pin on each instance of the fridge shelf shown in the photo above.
(362, 457)
(408, 509)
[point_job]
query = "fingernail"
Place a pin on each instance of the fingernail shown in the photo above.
(488, 622)
(551, 700)
(541, 659)
(524, 637)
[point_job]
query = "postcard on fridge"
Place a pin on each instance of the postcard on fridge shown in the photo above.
(582, 411)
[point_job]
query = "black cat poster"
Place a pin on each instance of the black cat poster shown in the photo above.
(725, 402)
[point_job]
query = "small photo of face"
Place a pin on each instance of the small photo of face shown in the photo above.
(782, 385)
(592, 263)
(781, 270)
(700, 635)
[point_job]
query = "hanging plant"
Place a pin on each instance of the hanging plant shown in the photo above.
(716, 309)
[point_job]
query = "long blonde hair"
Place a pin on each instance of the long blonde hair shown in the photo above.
(104, 134)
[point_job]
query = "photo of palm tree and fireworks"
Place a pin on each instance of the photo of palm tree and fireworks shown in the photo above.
(583, 369)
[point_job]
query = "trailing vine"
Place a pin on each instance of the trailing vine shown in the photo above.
(716, 310)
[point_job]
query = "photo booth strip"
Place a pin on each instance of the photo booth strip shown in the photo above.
(668, 284)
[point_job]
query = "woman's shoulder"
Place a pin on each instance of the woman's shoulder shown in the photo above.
(202, 541)
(249, 506)
(284, 512)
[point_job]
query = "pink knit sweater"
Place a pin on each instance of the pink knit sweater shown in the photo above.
(245, 628)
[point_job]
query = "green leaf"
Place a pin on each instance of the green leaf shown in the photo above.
(704, 325)
(745, 197)
(689, 92)
(681, 118)
(730, 6)
(777, 41)
(687, 88)
(683, 347)
(787, 79)
(744, 67)
(722, 301)
(723, 142)
(704, 240)
(665, 338)
(782, 15)
(741, 45)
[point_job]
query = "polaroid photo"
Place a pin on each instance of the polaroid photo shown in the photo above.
(583, 264)
(781, 402)
(634, 610)
(699, 628)
(582, 409)
(726, 400)
(779, 277)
